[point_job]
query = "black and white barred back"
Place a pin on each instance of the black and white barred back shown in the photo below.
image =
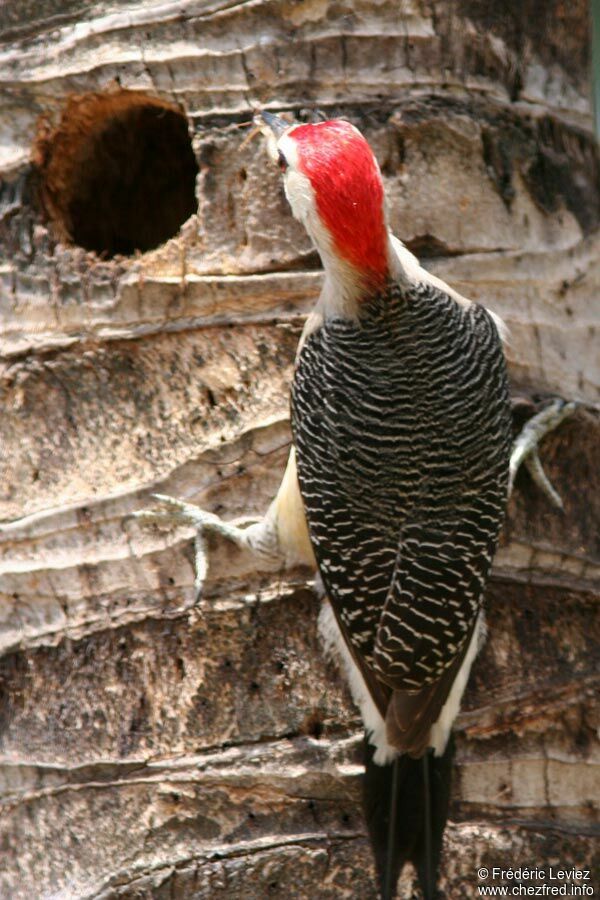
(401, 423)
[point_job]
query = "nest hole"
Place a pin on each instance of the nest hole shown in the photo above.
(118, 173)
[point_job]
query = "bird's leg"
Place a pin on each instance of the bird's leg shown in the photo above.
(525, 447)
(277, 541)
(180, 512)
(259, 537)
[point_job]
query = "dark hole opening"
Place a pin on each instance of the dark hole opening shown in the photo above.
(118, 174)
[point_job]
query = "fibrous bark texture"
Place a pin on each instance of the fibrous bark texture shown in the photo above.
(153, 288)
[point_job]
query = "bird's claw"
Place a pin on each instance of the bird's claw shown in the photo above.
(181, 513)
(525, 450)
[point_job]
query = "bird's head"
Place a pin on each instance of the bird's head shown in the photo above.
(333, 184)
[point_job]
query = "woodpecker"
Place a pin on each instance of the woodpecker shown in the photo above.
(396, 485)
(402, 429)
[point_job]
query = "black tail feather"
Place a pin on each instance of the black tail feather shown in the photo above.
(406, 807)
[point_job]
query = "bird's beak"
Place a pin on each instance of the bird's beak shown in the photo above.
(275, 124)
(272, 128)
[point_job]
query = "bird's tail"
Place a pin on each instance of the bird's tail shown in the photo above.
(406, 807)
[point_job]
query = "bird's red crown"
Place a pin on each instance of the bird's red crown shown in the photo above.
(348, 190)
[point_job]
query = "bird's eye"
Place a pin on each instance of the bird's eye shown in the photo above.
(282, 162)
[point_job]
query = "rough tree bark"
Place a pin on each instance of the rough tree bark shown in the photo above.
(150, 748)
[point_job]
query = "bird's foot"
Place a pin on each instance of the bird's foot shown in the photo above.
(171, 511)
(525, 449)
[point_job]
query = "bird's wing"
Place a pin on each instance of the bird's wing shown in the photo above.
(420, 613)
(428, 619)
(402, 439)
(434, 596)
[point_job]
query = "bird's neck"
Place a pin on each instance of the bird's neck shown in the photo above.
(347, 285)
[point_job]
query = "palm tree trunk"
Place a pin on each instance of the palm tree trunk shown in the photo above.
(153, 748)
